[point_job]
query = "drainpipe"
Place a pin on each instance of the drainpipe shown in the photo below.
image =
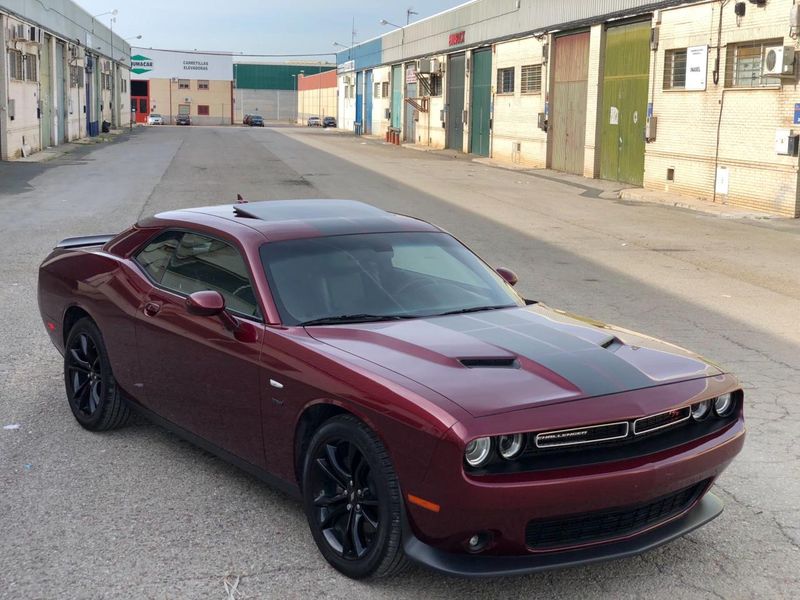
(722, 97)
(3, 92)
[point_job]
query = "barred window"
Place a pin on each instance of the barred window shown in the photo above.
(505, 81)
(202, 84)
(31, 67)
(531, 79)
(744, 64)
(385, 89)
(75, 76)
(377, 90)
(436, 85)
(183, 84)
(15, 65)
(675, 69)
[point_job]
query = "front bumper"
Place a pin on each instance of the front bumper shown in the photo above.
(468, 565)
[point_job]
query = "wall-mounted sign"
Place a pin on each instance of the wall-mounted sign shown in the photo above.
(161, 64)
(346, 67)
(797, 114)
(613, 118)
(458, 38)
(411, 74)
(696, 67)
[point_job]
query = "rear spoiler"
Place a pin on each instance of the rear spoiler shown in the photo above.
(88, 240)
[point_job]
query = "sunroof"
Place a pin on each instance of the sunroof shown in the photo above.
(303, 210)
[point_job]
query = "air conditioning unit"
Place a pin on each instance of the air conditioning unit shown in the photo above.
(428, 66)
(35, 35)
(187, 99)
(18, 33)
(778, 61)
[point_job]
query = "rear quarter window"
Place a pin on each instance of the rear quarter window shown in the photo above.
(155, 257)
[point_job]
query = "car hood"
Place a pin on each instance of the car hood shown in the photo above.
(510, 359)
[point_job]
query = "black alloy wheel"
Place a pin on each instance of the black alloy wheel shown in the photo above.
(92, 391)
(352, 500)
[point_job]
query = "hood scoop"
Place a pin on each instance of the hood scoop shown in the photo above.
(502, 362)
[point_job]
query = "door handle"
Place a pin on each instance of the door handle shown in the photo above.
(151, 309)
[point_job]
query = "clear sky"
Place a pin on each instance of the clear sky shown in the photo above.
(258, 27)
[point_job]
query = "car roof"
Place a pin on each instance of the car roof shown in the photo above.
(279, 220)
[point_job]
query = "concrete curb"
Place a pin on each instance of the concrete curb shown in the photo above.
(722, 211)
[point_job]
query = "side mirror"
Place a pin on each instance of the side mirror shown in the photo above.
(205, 304)
(507, 274)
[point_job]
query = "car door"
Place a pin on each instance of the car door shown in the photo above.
(195, 372)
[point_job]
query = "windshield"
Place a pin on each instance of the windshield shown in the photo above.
(379, 276)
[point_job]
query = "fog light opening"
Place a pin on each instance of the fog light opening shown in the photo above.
(479, 541)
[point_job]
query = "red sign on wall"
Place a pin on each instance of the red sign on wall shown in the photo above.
(457, 38)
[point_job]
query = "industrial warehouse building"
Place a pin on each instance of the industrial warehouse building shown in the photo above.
(316, 96)
(271, 89)
(62, 75)
(696, 97)
(175, 82)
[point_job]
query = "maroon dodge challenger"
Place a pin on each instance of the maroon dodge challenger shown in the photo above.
(373, 366)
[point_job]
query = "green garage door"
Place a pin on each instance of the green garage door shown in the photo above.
(481, 102)
(625, 81)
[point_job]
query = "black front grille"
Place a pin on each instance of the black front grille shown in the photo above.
(662, 420)
(609, 524)
(581, 435)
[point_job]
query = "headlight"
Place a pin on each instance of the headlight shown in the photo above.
(701, 410)
(723, 405)
(477, 451)
(509, 445)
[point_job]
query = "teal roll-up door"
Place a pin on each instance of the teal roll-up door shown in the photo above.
(481, 102)
(397, 95)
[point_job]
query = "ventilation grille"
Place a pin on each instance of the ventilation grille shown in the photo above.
(490, 363)
(609, 524)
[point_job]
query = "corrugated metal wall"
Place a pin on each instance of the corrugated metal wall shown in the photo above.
(487, 20)
(272, 77)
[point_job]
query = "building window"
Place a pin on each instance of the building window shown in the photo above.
(385, 89)
(202, 110)
(75, 76)
(30, 67)
(436, 85)
(505, 81)
(15, 65)
(183, 84)
(744, 64)
(107, 81)
(202, 84)
(531, 79)
(123, 86)
(675, 69)
(377, 92)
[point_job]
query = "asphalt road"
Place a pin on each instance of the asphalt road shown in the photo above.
(138, 513)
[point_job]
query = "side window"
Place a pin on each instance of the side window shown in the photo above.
(155, 257)
(201, 263)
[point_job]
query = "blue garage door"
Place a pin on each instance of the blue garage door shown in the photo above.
(360, 97)
(368, 94)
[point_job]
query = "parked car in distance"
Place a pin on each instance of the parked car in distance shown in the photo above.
(314, 122)
(155, 119)
(329, 122)
(256, 121)
(183, 120)
(372, 366)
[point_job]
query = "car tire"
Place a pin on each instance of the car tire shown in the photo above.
(92, 392)
(352, 500)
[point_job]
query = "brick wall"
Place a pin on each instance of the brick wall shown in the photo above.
(747, 117)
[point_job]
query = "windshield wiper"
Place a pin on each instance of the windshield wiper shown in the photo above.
(474, 309)
(362, 318)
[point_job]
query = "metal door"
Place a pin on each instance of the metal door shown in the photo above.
(455, 103)
(397, 95)
(368, 94)
(359, 98)
(61, 94)
(568, 102)
(410, 122)
(481, 102)
(46, 94)
(625, 81)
